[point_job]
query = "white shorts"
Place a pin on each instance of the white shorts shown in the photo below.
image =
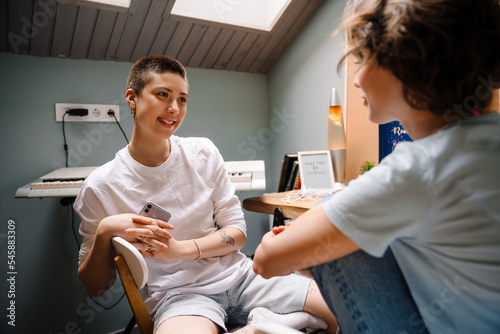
(279, 294)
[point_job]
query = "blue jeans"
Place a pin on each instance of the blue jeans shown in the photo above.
(368, 295)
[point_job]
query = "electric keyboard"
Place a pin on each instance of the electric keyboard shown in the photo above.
(66, 182)
(63, 182)
(247, 175)
(55, 188)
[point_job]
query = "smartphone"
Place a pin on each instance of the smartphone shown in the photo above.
(153, 210)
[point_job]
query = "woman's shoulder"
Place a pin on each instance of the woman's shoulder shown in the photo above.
(195, 141)
(105, 172)
(194, 144)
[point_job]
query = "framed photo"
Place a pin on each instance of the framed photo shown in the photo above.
(316, 171)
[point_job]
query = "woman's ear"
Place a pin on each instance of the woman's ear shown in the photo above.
(130, 96)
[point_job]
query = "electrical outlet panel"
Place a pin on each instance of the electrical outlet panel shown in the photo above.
(97, 112)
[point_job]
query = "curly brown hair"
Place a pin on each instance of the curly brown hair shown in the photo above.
(445, 52)
(140, 74)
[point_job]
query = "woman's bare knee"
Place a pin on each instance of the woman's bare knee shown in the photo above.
(316, 305)
(188, 324)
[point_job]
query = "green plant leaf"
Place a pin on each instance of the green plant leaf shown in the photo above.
(366, 166)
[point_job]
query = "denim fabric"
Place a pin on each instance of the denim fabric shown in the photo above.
(368, 295)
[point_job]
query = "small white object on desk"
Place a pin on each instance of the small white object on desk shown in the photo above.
(321, 192)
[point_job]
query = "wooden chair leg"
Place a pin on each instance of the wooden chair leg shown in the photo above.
(141, 314)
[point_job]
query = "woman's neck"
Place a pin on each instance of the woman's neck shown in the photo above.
(148, 152)
(422, 123)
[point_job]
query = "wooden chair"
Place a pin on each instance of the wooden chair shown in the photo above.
(133, 273)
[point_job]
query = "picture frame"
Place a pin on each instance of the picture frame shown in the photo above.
(316, 169)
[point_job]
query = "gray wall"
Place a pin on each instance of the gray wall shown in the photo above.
(300, 84)
(248, 116)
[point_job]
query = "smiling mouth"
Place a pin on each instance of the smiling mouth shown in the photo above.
(166, 121)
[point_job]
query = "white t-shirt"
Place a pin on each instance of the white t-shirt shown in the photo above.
(436, 203)
(194, 187)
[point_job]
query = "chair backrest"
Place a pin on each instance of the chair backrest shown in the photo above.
(133, 273)
(135, 261)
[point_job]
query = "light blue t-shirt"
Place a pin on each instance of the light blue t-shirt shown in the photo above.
(436, 203)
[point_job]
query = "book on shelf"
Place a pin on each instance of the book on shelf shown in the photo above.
(297, 181)
(389, 135)
(286, 169)
(293, 176)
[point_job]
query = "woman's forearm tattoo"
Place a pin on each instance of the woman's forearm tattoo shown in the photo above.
(224, 238)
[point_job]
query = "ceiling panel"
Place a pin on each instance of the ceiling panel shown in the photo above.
(116, 35)
(202, 49)
(60, 29)
(102, 35)
(45, 28)
(82, 36)
(149, 29)
(20, 29)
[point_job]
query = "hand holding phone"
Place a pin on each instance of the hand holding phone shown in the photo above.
(153, 210)
(151, 239)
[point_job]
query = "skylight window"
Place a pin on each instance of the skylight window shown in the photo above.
(115, 5)
(254, 14)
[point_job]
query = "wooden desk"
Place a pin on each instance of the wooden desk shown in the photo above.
(267, 204)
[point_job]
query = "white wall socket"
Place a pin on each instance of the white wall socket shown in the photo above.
(97, 112)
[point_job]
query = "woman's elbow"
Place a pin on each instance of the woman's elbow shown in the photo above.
(261, 264)
(234, 238)
(260, 270)
(240, 242)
